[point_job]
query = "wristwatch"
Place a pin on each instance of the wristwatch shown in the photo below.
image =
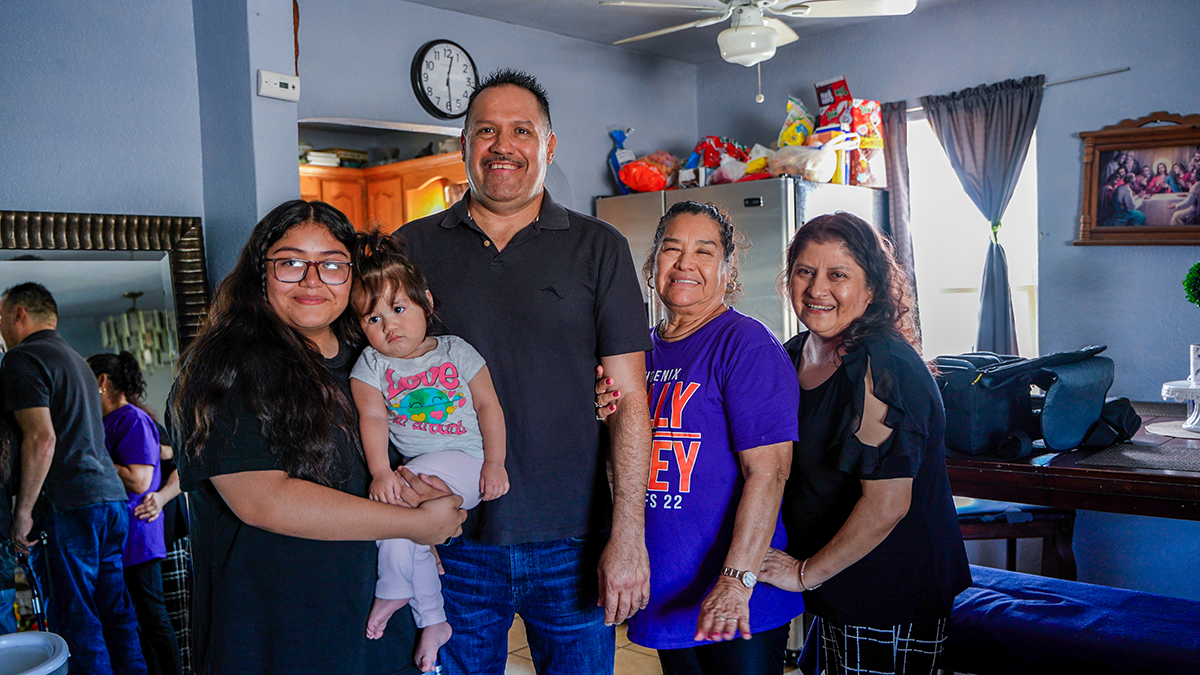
(745, 576)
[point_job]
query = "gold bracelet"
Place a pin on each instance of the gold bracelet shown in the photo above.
(802, 584)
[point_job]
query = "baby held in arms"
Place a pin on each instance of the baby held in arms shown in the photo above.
(431, 394)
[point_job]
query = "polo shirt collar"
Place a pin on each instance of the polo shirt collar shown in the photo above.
(44, 334)
(553, 215)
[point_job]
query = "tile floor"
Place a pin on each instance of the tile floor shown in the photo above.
(631, 659)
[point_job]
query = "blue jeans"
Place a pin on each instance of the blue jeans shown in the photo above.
(8, 618)
(79, 568)
(551, 584)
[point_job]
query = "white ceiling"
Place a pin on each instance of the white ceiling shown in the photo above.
(588, 20)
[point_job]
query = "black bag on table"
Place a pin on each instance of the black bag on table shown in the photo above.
(991, 411)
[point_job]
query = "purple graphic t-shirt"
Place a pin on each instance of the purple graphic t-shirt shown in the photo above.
(132, 438)
(727, 387)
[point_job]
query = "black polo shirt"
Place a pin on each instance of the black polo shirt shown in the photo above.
(562, 294)
(45, 372)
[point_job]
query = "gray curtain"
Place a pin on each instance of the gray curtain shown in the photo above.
(985, 132)
(895, 156)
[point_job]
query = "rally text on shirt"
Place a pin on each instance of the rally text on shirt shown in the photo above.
(667, 401)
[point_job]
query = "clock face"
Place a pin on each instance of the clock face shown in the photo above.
(443, 77)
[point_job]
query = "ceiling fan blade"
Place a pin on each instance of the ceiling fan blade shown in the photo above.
(683, 26)
(830, 9)
(666, 5)
(786, 34)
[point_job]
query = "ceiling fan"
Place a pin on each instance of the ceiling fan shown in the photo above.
(751, 37)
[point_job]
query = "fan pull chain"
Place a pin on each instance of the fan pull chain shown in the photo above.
(759, 98)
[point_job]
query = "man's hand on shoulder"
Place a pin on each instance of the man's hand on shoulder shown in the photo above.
(624, 576)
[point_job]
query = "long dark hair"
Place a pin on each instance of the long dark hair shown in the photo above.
(244, 349)
(890, 311)
(124, 375)
(381, 267)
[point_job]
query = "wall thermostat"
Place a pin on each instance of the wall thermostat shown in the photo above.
(278, 85)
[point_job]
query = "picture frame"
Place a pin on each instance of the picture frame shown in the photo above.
(1138, 178)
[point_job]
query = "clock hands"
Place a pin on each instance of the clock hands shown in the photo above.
(449, 70)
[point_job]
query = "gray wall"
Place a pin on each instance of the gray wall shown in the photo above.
(99, 107)
(1127, 297)
(355, 59)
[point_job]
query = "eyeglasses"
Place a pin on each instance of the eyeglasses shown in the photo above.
(293, 271)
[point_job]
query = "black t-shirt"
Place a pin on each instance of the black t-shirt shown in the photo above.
(915, 573)
(44, 372)
(542, 312)
(269, 603)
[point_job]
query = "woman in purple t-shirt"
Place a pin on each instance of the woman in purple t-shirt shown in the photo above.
(723, 398)
(132, 439)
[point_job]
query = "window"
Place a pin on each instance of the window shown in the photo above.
(950, 238)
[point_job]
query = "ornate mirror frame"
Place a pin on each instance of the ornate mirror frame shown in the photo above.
(181, 238)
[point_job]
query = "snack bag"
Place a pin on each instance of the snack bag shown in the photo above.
(757, 162)
(808, 162)
(867, 166)
(798, 125)
(620, 156)
(834, 98)
(713, 150)
(655, 171)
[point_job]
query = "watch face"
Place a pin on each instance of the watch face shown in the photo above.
(748, 580)
(443, 77)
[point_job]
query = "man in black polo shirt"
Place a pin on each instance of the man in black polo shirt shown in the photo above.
(544, 294)
(68, 487)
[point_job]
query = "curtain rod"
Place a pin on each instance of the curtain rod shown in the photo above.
(1114, 71)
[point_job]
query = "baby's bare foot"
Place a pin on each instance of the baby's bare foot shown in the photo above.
(382, 609)
(432, 639)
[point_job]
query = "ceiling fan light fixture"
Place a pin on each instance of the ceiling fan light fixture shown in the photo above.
(747, 45)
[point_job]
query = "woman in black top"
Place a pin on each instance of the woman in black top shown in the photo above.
(873, 537)
(283, 533)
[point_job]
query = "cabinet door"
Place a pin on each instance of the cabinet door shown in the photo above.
(432, 184)
(310, 187)
(347, 197)
(385, 203)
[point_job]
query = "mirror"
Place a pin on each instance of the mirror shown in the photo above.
(89, 261)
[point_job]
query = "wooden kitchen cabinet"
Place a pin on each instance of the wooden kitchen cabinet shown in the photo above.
(388, 195)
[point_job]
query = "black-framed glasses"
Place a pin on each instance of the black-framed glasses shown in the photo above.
(293, 270)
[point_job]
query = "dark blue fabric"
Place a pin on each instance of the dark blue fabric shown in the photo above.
(762, 655)
(551, 584)
(80, 569)
(8, 618)
(1009, 622)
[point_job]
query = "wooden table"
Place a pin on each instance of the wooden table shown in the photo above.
(1065, 483)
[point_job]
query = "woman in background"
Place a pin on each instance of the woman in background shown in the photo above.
(132, 439)
(873, 537)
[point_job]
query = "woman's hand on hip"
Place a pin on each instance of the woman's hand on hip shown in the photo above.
(606, 395)
(725, 611)
(150, 508)
(781, 571)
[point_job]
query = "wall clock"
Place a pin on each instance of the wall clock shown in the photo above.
(443, 77)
